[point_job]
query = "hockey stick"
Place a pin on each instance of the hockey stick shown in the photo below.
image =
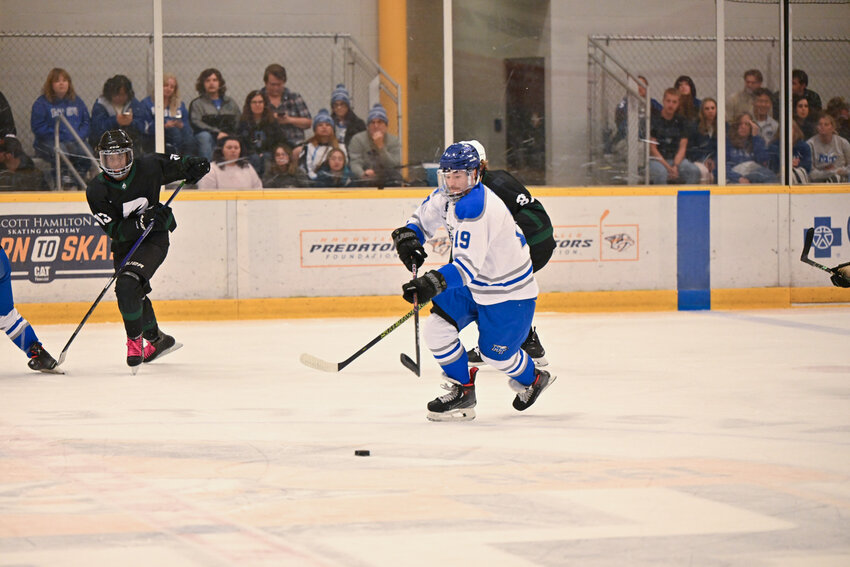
(807, 245)
(406, 360)
(112, 279)
(325, 366)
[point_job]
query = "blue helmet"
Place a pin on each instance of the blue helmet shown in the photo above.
(461, 157)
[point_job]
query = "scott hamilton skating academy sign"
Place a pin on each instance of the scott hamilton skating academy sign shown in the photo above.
(42, 248)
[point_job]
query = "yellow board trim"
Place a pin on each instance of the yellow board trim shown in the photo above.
(394, 306)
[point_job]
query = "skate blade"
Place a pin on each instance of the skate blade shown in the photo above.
(54, 370)
(464, 414)
(166, 351)
(134, 369)
(540, 362)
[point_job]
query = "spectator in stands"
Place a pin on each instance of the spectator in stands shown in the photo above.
(688, 102)
(767, 126)
(621, 115)
(669, 134)
(335, 171)
(7, 121)
(801, 155)
(311, 155)
(117, 108)
(830, 153)
(742, 101)
(800, 88)
(289, 108)
(804, 117)
(346, 123)
(283, 171)
(838, 108)
(59, 97)
(17, 170)
(702, 145)
(746, 153)
(231, 168)
(375, 154)
(213, 114)
(259, 130)
(179, 137)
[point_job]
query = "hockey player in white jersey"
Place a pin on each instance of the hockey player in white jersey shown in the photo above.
(489, 280)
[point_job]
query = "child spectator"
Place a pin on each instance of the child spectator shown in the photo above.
(313, 154)
(59, 97)
(335, 171)
(213, 115)
(283, 171)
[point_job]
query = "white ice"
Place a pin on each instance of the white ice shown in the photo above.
(703, 438)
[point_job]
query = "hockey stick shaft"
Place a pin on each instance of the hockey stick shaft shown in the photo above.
(406, 360)
(807, 245)
(112, 279)
(319, 364)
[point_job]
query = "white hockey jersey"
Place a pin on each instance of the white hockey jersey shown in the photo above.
(489, 252)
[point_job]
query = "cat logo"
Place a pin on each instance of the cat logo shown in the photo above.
(620, 242)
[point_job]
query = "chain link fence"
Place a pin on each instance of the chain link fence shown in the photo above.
(315, 64)
(662, 59)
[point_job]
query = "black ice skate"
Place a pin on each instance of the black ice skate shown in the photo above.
(160, 346)
(458, 404)
(474, 355)
(134, 352)
(534, 349)
(41, 360)
(527, 395)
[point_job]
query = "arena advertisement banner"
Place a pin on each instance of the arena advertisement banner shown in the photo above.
(362, 247)
(45, 247)
(601, 242)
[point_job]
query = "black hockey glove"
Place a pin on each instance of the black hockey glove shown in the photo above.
(425, 287)
(839, 281)
(161, 216)
(195, 168)
(409, 249)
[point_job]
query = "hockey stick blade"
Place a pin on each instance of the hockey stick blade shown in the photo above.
(807, 246)
(319, 364)
(410, 364)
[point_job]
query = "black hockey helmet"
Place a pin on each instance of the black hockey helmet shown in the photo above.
(115, 150)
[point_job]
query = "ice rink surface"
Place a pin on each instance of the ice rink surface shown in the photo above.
(699, 439)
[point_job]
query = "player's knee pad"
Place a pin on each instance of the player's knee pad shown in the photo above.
(437, 332)
(129, 290)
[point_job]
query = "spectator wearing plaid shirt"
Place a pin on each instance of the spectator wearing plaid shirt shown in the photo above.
(289, 108)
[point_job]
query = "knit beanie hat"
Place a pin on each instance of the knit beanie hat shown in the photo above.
(322, 116)
(341, 93)
(379, 112)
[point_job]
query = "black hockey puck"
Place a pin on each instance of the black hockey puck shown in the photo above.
(362, 453)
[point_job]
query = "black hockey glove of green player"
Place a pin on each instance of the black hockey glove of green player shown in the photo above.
(839, 281)
(410, 250)
(161, 216)
(195, 168)
(425, 287)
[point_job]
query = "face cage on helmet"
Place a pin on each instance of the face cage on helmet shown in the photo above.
(116, 173)
(442, 182)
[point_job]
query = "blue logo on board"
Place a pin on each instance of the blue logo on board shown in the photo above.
(826, 236)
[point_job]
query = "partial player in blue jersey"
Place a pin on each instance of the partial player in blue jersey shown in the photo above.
(17, 328)
(488, 281)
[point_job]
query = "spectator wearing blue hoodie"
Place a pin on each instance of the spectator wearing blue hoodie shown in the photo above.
(117, 108)
(58, 97)
(746, 153)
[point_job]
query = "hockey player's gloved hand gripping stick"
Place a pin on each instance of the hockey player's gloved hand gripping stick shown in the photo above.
(406, 360)
(144, 235)
(319, 364)
(839, 273)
